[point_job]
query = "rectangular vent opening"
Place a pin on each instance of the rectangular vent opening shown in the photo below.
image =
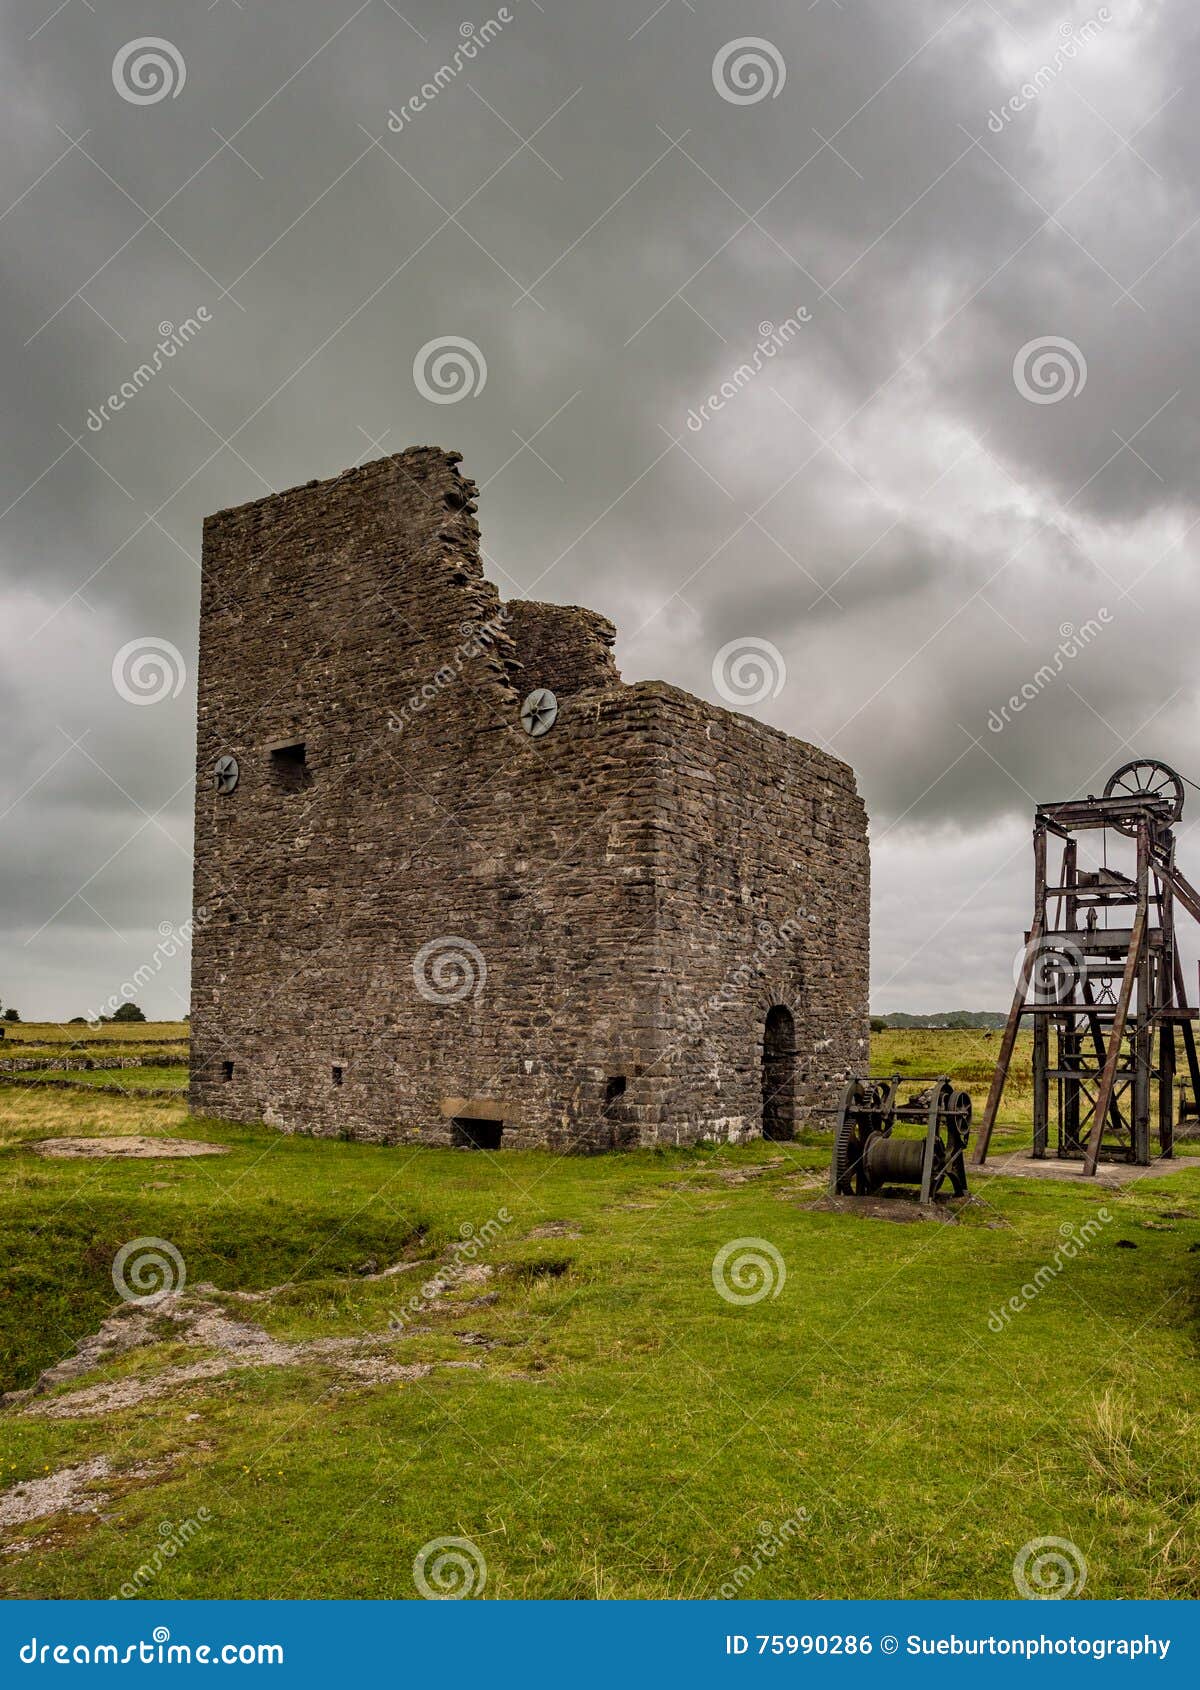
(339, 1074)
(227, 1070)
(470, 1133)
(289, 765)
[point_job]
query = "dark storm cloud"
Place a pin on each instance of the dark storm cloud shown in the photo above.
(879, 500)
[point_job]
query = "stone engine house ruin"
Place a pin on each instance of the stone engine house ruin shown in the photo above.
(430, 910)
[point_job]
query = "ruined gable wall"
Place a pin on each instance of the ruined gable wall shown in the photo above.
(560, 646)
(347, 614)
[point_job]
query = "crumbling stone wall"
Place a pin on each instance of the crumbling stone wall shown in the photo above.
(432, 919)
(561, 646)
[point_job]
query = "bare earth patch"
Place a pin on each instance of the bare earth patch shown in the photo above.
(368, 1360)
(67, 1490)
(885, 1209)
(1109, 1176)
(127, 1145)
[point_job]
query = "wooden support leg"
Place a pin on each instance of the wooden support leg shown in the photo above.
(1007, 1045)
(1116, 1035)
(1166, 1089)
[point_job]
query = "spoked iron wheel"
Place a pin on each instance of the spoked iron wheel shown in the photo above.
(1146, 778)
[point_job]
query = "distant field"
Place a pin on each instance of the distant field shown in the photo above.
(969, 1058)
(114, 1079)
(26, 1032)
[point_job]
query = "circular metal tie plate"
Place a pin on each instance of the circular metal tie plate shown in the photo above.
(225, 774)
(539, 712)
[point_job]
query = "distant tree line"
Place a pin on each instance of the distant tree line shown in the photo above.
(955, 1018)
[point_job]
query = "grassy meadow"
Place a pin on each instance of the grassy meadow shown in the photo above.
(579, 1400)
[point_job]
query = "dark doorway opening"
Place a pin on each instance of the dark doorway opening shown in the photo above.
(470, 1133)
(779, 1073)
(615, 1132)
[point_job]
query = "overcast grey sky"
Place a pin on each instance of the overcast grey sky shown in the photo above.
(914, 500)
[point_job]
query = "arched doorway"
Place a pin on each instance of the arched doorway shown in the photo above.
(779, 1073)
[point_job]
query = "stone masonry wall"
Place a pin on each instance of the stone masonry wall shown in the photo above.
(434, 916)
(561, 646)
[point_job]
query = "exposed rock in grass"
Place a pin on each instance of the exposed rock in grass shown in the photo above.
(131, 1327)
(236, 1345)
(65, 1491)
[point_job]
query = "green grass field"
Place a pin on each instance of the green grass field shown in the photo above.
(620, 1429)
(156, 1078)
